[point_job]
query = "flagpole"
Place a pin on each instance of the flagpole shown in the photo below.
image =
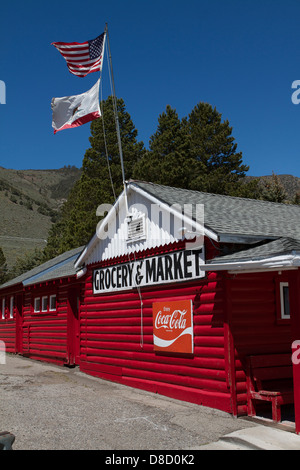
(117, 119)
(103, 126)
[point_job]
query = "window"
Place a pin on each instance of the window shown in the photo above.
(52, 303)
(3, 310)
(37, 304)
(284, 300)
(11, 308)
(45, 303)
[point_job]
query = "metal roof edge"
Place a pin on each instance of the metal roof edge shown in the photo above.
(274, 262)
(244, 238)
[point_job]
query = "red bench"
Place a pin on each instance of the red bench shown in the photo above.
(270, 379)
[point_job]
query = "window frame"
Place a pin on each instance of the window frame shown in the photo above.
(43, 298)
(281, 281)
(3, 308)
(11, 307)
(44, 310)
(283, 315)
(51, 296)
(34, 304)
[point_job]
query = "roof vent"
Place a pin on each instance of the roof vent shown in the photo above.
(136, 229)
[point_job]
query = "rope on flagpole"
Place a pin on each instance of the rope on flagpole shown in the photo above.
(117, 120)
(103, 125)
(105, 143)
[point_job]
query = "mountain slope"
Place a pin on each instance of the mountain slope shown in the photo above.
(29, 201)
(290, 183)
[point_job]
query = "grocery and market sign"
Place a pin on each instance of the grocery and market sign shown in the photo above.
(178, 266)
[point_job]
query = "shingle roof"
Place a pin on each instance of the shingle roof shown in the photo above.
(234, 215)
(56, 268)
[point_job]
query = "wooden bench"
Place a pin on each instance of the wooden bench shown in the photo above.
(270, 379)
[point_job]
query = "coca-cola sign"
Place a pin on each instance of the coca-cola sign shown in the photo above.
(173, 326)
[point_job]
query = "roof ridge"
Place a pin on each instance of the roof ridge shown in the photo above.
(261, 201)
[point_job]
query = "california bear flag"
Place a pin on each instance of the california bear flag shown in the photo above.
(73, 111)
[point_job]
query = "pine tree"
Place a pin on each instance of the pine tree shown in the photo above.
(167, 162)
(27, 262)
(197, 153)
(273, 190)
(296, 198)
(218, 166)
(100, 182)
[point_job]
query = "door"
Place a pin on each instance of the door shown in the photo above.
(19, 324)
(73, 338)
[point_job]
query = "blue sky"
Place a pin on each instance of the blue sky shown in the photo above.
(240, 56)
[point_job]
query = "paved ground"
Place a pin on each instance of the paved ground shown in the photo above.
(56, 408)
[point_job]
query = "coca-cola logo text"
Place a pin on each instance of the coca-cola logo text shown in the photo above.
(172, 321)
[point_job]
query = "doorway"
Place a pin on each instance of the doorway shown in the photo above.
(19, 324)
(73, 327)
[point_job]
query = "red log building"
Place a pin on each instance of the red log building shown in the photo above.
(161, 301)
(39, 312)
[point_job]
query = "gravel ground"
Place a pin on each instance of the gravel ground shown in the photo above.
(48, 407)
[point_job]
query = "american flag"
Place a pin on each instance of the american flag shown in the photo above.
(83, 58)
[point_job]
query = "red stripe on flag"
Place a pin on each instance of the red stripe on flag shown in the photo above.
(66, 44)
(78, 122)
